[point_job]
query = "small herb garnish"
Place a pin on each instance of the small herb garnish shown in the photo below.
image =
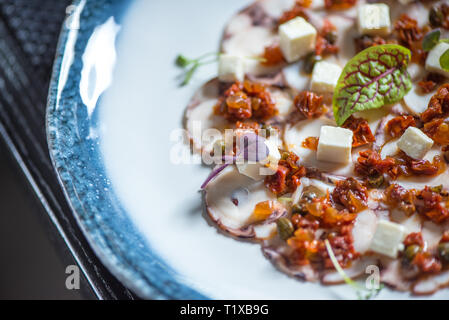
(431, 39)
(362, 293)
(444, 60)
(374, 77)
(191, 65)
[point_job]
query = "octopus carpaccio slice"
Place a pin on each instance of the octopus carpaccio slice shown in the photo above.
(205, 128)
(230, 198)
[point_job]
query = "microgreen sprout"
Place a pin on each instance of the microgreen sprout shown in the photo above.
(362, 292)
(190, 66)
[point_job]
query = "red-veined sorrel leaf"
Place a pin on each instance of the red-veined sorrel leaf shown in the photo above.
(374, 77)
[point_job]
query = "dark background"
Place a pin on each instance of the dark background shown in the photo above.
(39, 236)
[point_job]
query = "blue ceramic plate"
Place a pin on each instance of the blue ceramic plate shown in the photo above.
(114, 121)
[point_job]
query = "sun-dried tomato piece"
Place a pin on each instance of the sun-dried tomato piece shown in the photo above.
(305, 246)
(296, 11)
(407, 30)
(309, 104)
(438, 105)
(370, 163)
(288, 175)
(401, 198)
(362, 132)
(322, 209)
(407, 166)
(310, 143)
(247, 125)
(438, 130)
(246, 100)
(342, 244)
(351, 194)
(273, 55)
(339, 4)
(326, 39)
(397, 126)
(414, 238)
(428, 203)
(427, 263)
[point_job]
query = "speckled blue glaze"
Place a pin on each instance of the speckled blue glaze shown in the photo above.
(81, 171)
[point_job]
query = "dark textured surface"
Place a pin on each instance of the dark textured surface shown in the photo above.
(28, 37)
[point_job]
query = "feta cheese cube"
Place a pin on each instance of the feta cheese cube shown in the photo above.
(335, 144)
(433, 59)
(268, 166)
(387, 239)
(231, 68)
(374, 19)
(325, 76)
(415, 143)
(297, 38)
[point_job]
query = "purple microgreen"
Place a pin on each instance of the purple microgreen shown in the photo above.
(252, 148)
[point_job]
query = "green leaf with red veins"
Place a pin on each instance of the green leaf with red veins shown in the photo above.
(373, 78)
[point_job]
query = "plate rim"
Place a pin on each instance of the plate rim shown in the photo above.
(170, 286)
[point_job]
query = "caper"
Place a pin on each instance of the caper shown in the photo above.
(436, 17)
(300, 208)
(376, 181)
(331, 37)
(443, 251)
(285, 228)
(437, 189)
(310, 61)
(310, 193)
(410, 252)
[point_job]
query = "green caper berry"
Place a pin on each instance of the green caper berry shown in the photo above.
(299, 208)
(285, 228)
(376, 181)
(411, 251)
(331, 37)
(310, 61)
(436, 17)
(443, 251)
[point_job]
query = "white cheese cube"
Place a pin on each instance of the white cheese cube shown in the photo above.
(325, 76)
(433, 59)
(387, 239)
(335, 144)
(374, 19)
(231, 68)
(297, 38)
(415, 143)
(268, 166)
